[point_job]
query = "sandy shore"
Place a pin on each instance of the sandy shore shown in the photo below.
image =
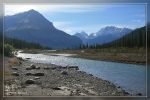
(24, 78)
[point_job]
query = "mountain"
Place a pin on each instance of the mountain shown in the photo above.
(83, 36)
(111, 30)
(136, 38)
(31, 26)
(104, 35)
(108, 34)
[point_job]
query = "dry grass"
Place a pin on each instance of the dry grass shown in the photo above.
(13, 61)
(126, 55)
(7, 73)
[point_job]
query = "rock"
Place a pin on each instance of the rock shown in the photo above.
(73, 67)
(19, 58)
(46, 67)
(39, 74)
(28, 68)
(64, 72)
(14, 68)
(20, 62)
(139, 94)
(37, 67)
(28, 58)
(33, 66)
(15, 74)
(29, 74)
(30, 81)
(56, 88)
(82, 94)
(53, 68)
(36, 78)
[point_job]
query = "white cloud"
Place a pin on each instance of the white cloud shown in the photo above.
(137, 20)
(68, 30)
(13, 9)
(61, 23)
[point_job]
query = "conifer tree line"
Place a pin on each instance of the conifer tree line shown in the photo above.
(10, 44)
(21, 44)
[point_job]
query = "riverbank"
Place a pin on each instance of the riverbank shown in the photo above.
(121, 55)
(25, 78)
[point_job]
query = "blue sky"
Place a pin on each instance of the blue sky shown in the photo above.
(88, 18)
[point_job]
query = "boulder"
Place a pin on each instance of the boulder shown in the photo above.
(20, 62)
(46, 68)
(37, 67)
(14, 68)
(36, 78)
(64, 72)
(28, 58)
(56, 88)
(33, 66)
(20, 58)
(73, 67)
(29, 74)
(30, 81)
(15, 74)
(28, 68)
(39, 74)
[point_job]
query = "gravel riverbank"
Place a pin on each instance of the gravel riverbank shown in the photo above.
(25, 78)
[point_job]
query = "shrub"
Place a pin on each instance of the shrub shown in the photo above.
(8, 50)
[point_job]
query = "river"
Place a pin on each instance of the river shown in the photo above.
(130, 77)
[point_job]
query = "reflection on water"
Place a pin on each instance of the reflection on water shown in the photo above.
(130, 77)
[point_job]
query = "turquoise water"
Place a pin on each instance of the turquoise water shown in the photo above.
(130, 77)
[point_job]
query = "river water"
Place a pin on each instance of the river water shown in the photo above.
(130, 77)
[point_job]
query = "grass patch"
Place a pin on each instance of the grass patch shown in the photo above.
(6, 73)
(13, 61)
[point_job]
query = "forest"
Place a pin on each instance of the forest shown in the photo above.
(11, 44)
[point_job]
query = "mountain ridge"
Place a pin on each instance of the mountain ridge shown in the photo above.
(32, 26)
(104, 35)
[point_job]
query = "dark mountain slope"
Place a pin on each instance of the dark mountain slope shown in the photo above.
(31, 26)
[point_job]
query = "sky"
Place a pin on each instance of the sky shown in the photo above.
(88, 18)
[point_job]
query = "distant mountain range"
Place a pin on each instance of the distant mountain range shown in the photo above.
(32, 26)
(104, 35)
(136, 38)
(83, 36)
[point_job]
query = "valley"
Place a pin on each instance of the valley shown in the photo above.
(43, 57)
